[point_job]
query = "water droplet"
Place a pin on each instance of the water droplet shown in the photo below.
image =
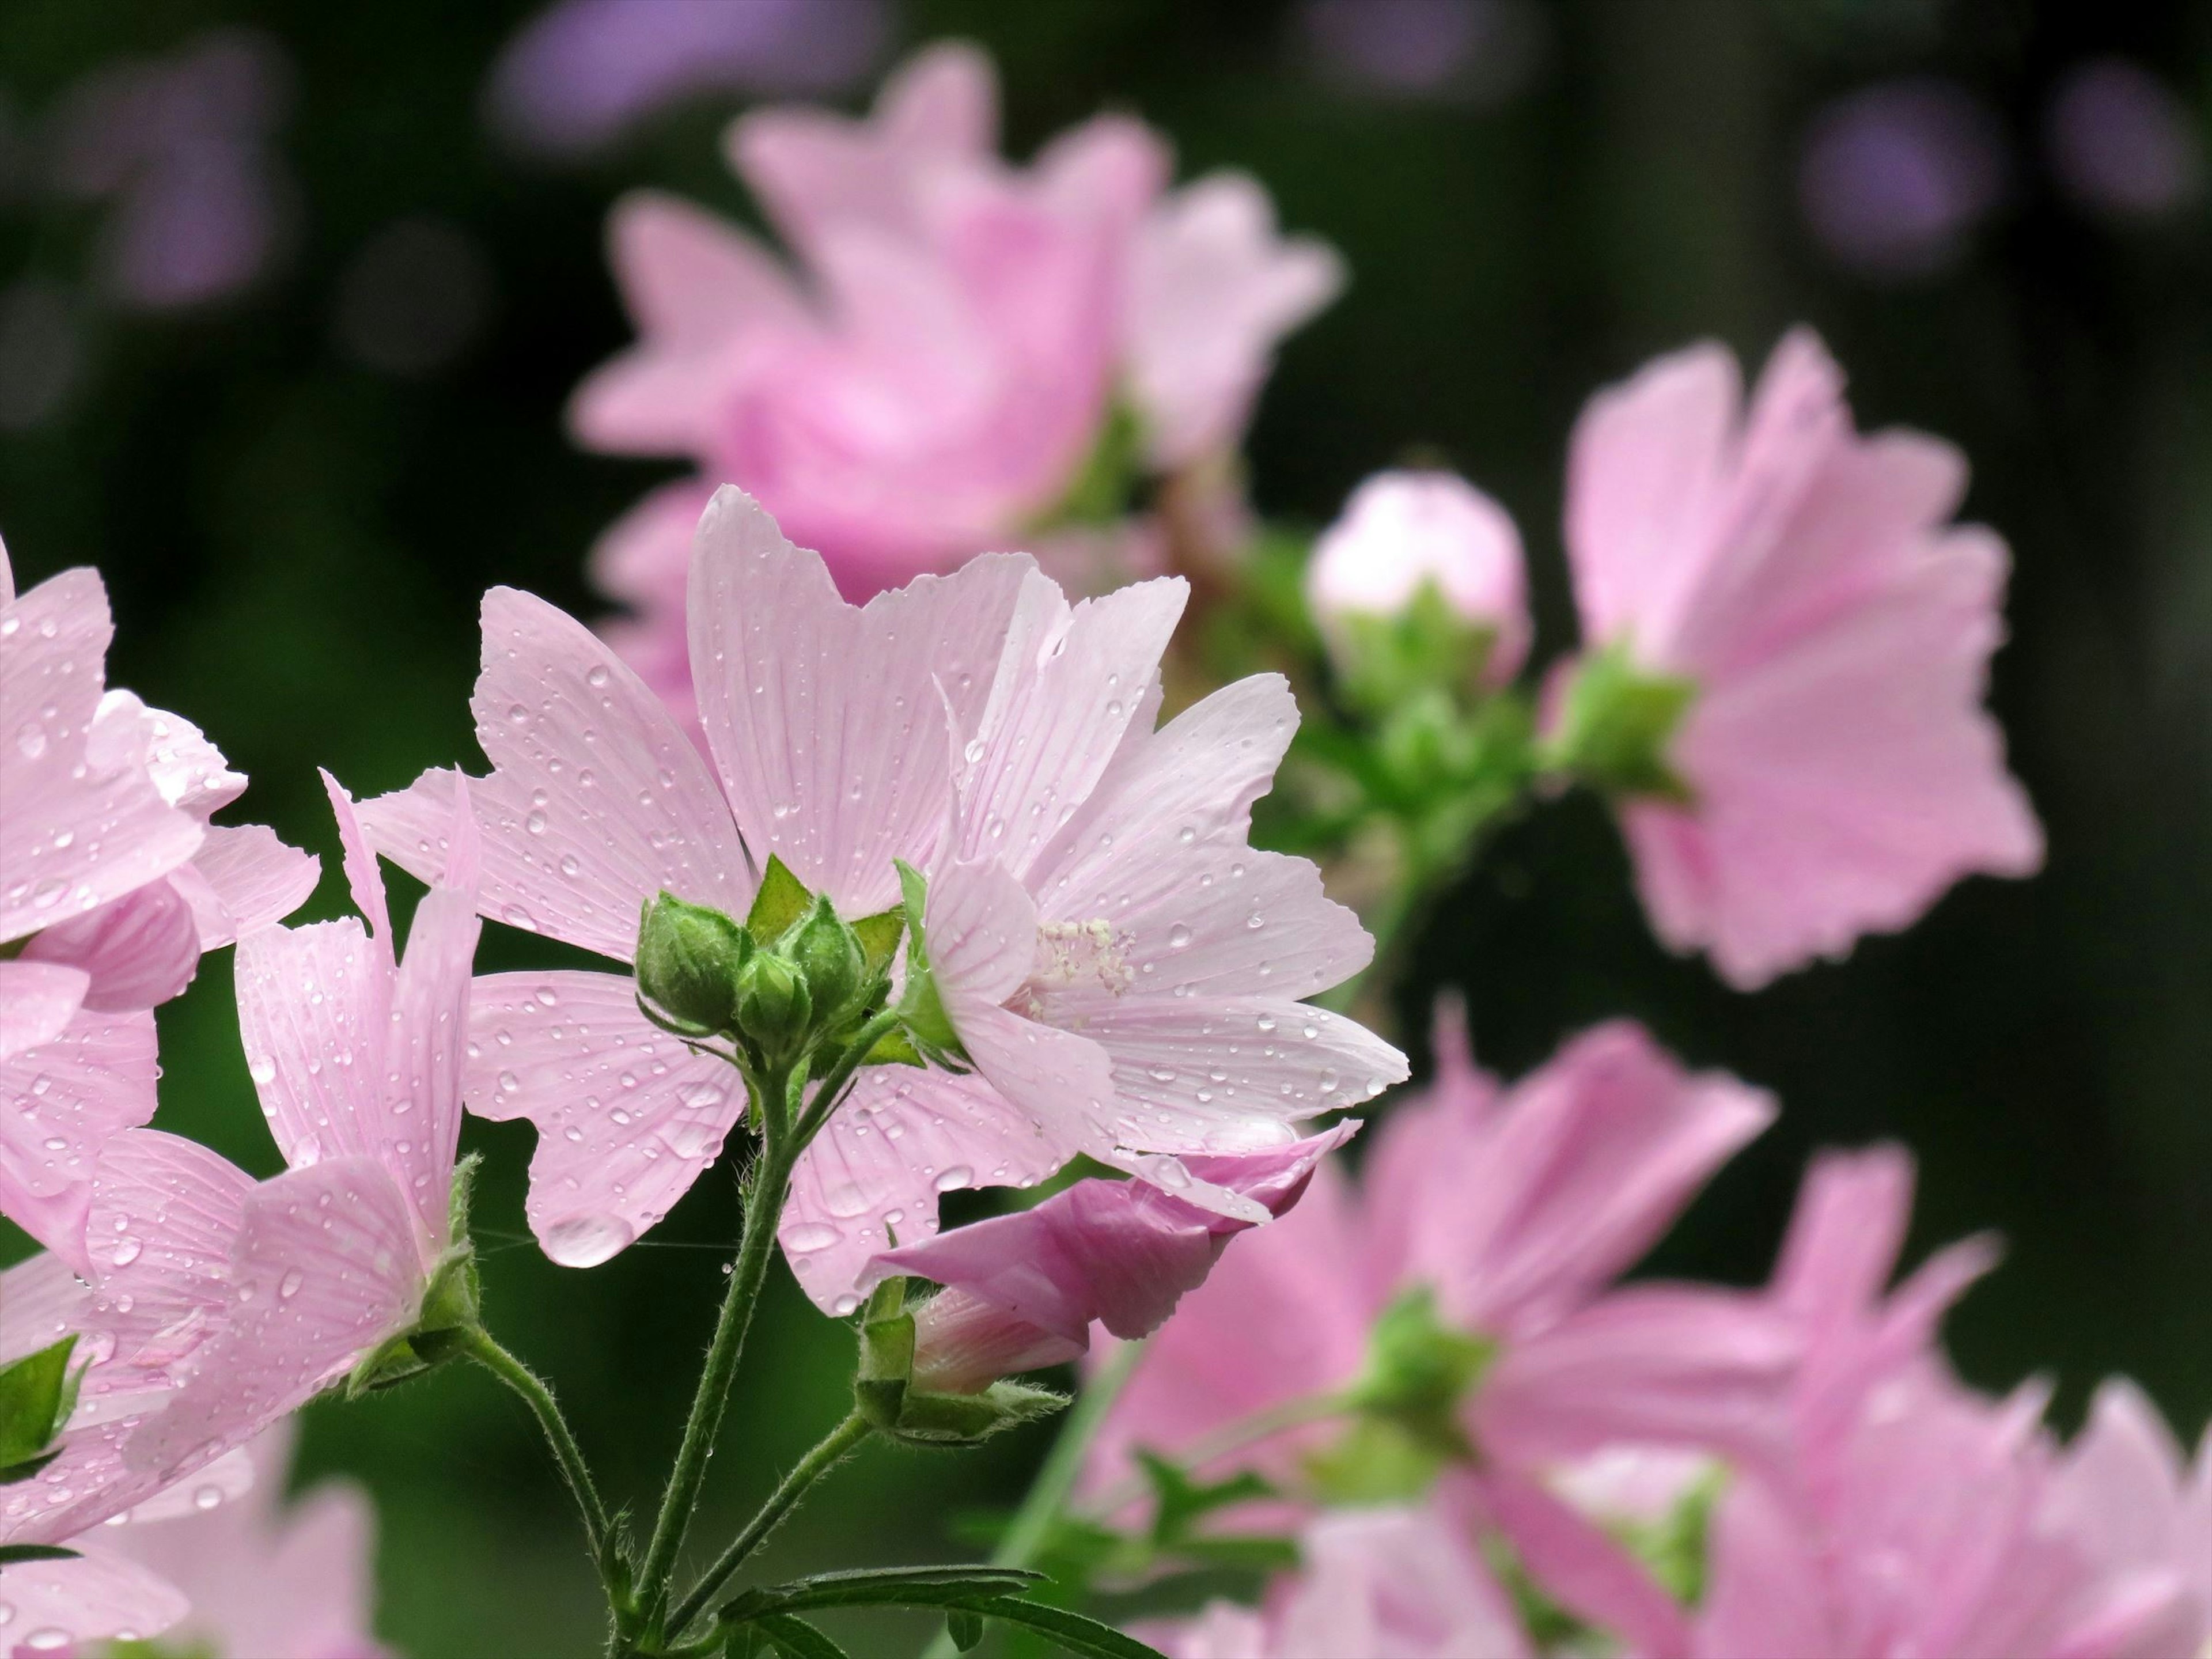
(585, 1241)
(32, 741)
(953, 1177)
(597, 675)
(1328, 1082)
(126, 1251)
(810, 1235)
(1178, 936)
(288, 1287)
(535, 823)
(206, 1498)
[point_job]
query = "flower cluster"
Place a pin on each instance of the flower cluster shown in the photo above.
(909, 873)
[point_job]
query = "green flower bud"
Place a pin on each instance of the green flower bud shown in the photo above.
(774, 1005)
(828, 954)
(688, 960)
(1618, 724)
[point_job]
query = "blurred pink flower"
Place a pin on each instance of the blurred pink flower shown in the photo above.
(2122, 143)
(1836, 630)
(1516, 1212)
(1021, 1291)
(932, 382)
(269, 1579)
(357, 1057)
(1117, 864)
(1393, 1583)
(1401, 531)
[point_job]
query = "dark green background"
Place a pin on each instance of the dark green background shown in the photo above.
(296, 547)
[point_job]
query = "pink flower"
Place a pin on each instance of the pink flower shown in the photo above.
(1835, 628)
(1021, 1291)
(113, 883)
(269, 1579)
(1516, 1210)
(1392, 1583)
(935, 384)
(357, 1056)
(1402, 531)
(1115, 895)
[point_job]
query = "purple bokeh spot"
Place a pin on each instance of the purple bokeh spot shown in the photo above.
(2122, 143)
(580, 74)
(1466, 51)
(1894, 176)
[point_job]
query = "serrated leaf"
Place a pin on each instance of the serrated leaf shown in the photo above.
(799, 1639)
(880, 936)
(781, 901)
(35, 1394)
(1085, 1638)
(14, 1554)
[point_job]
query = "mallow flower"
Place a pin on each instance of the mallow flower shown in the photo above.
(113, 883)
(1120, 970)
(1787, 642)
(1403, 533)
(1407, 1582)
(964, 342)
(1459, 1305)
(355, 1263)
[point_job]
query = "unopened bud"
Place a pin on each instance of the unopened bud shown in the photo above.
(690, 959)
(905, 1391)
(773, 1004)
(828, 954)
(1408, 541)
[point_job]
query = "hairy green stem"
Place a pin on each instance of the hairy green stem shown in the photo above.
(833, 1448)
(539, 1398)
(828, 1094)
(756, 1244)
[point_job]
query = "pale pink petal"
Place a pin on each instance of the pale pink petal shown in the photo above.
(1225, 1075)
(1398, 1584)
(1585, 1570)
(227, 1479)
(420, 1127)
(1643, 470)
(41, 1302)
(243, 879)
(325, 1268)
(598, 802)
(1766, 1593)
(644, 557)
(981, 928)
(165, 1214)
(1649, 1364)
(1580, 1169)
(1066, 688)
(364, 881)
(139, 950)
(98, 1596)
(1846, 1232)
(827, 720)
(1221, 1629)
(80, 823)
(189, 770)
(693, 284)
(37, 1002)
(2119, 1493)
(1213, 288)
(60, 1104)
(627, 1117)
(873, 1178)
(314, 1007)
(812, 169)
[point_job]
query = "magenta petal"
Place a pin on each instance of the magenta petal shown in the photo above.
(627, 1117)
(1766, 1593)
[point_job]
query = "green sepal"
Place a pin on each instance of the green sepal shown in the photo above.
(1178, 1501)
(879, 937)
(885, 1372)
(964, 1419)
(893, 1048)
(37, 1392)
(690, 958)
(781, 901)
(964, 1628)
(389, 1364)
(1385, 660)
(921, 1010)
(1103, 486)
(1617, 723)
(1419, 1371)
(16, 1554)
(1376, 1460)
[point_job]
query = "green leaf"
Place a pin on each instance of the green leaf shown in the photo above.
(14, 1554)
(799, 1639)
(781, 901)
(879, 937)
(1181, 1500)
(909, 1586)
(36, 1396)
(1085, 1638)
(892, 1049)
(15, 1473)
(964, 1628)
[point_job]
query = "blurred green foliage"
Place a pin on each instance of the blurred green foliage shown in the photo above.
(295, 545)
